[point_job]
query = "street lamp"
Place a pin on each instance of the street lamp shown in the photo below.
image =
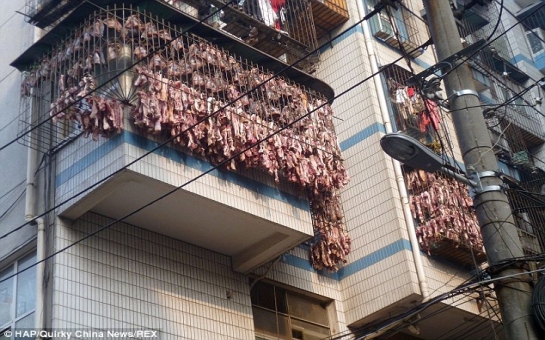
(411, 152)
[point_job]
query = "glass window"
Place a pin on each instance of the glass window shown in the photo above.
(26, 286)
(304, 308)
(281, 314)
(534, 40)
(6, 296)
(18, 294)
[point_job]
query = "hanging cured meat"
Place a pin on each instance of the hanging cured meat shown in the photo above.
(443, 209)
(212, 104)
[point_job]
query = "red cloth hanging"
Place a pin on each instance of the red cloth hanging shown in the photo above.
(433, 112)
(423, 121)
(277, 4)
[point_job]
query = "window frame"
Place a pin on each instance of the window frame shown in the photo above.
(535, 34)
(286, 291)
(14, 266)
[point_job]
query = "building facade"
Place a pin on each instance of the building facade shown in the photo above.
(182, 178)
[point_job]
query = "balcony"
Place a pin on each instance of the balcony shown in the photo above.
(285, 31)
(328, 14)
(114, 79)
(247, 217)
(401, 30)
(447, 225)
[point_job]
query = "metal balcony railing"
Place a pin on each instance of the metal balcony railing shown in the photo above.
(401, 28)
(446, 222)
(283, 29)
(123, 65)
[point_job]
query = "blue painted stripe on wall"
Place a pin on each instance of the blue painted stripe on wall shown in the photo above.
(179, 157)
(341, 37)
(89, 159)
(362, 135)
(355, 266)
(374, 257)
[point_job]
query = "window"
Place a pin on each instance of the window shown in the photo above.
(18, 294)
(484, 82)
(282, 314)
(535, 40)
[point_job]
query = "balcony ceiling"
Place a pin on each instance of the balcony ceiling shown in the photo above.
(442, 320)
(181, 20)
(250, 240)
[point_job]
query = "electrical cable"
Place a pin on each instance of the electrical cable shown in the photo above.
(205, 118)
(486, 44)
(12, 189)
(12, 16)
(417, 309)
(97, 88)
(427, 108)
(12, 204)
(497, 22)
(215, 167)
(9, 123)
(523, 258)
(199, 175)
(376, 10)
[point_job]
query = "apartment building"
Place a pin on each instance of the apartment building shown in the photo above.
(154, 210)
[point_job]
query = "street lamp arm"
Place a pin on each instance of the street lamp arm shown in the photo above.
(411, 152)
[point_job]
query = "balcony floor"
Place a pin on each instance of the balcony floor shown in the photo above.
(248, 239)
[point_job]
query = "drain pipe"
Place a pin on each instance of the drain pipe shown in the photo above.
(30, 215)
(40, 271)
(407, 214)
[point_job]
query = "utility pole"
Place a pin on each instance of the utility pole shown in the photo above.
(499, 232)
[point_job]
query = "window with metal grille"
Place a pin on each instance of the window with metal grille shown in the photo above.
(283, 314)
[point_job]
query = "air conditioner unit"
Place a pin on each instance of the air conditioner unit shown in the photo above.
(520, 158)
(382, 28)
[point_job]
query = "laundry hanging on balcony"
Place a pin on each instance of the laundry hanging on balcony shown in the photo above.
(410, 104)
(263, 10)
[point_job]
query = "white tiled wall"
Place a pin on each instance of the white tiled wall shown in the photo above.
(371, 202)
(130, 278)
(100, 162)
(127, 278)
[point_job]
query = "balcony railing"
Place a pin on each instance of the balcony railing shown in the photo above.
(400, 28)
(283, 29)
(328, 14)
(447, 224)
(212, 104)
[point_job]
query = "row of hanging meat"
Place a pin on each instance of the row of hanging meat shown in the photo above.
(443, 209)
(197, 94)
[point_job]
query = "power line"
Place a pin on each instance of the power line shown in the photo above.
(497, 22)
(487, 44)
(205, 118)
(417, 309)
(147, 57)
(376, 10)
(215, 167)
